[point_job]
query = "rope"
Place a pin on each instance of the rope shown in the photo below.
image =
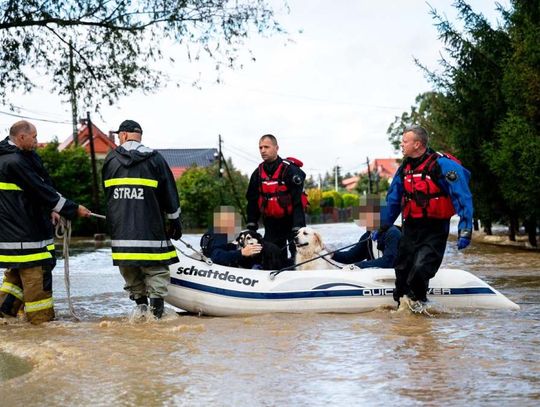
(63, 231)
(273, 274)
(189, 246)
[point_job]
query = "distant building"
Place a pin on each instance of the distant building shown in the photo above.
(102, 143)
(384, 168)
(180, 159)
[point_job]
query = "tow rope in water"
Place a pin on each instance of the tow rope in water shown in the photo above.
(63, 231)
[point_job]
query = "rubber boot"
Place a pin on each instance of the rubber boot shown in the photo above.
(142, 300)
(157, 306)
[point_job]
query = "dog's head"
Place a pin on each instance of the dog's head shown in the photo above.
(308, 240)
(247, 237)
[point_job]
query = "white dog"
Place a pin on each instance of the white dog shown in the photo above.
(309, 245)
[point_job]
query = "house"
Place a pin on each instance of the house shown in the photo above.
(180, 159)
(102, 143)
(384, 168)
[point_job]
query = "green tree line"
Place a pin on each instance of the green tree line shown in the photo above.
(485, 109)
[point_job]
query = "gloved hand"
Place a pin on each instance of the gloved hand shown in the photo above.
(294, 231)
(464, 238)
(463, 242)
(252, 226)
(174, 230)
(375, 235)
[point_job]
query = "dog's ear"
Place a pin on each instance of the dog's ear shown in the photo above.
(317, 239)
(240, 239)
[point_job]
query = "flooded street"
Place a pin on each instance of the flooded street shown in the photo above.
(476, 357)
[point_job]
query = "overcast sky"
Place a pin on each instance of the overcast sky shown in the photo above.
(328, 95)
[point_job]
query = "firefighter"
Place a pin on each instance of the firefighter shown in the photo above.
(29, 205)
(276, 194)
(143, 213)
(428, 188)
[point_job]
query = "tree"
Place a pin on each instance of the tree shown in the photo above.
(514, 154)
(71, 174)
(202, 191)
(116, 45)
(428, 112)
(362, 186)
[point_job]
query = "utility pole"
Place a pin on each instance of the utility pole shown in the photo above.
(336, 174)
(95, 191)
(220, 155)
(73, 96)
(370, 187)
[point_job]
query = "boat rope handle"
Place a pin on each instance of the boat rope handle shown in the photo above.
(273, 274)
(189, 246)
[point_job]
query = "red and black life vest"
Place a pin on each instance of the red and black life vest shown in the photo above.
(275, 200)
(422, 197)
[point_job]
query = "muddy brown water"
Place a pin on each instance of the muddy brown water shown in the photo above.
(478, 357)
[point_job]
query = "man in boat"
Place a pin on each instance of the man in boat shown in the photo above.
(276, 194)
(218, 244)
(428, 188)
(143, 213)
(29, 204)
(378, 247)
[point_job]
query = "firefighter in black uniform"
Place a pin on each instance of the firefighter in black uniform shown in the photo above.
(143, 213)
(28, 203)
(276, 194)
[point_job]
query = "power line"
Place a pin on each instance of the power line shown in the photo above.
(32, 118)
(40, 112)
(293, 96)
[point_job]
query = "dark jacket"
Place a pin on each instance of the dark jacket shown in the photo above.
(141, 196)
(362, 253)
(222, 252)
(27, 198)
(294, 179)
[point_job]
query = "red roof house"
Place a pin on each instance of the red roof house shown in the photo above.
(102, 143)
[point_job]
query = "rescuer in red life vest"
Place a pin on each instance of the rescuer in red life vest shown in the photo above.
(276, 195)
(428, 188)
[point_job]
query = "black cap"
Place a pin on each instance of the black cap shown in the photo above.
(130, 126)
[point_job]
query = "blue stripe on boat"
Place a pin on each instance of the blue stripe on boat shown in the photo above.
(365, 292)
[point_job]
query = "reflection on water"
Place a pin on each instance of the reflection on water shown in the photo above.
(376, 358)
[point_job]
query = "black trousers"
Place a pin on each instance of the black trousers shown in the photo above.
(421, 251)
(279, 232)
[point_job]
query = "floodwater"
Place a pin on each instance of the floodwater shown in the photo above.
(481, 357)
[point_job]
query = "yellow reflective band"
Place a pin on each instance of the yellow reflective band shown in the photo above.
(131, 181)
(144, 256)
(39, 305)
(9, 186)
(50, 247)
(9, 288)
(24, 257)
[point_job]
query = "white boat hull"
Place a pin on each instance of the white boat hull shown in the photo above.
(222, 291)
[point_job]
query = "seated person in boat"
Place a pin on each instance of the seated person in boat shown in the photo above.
(220, 245)
(377, 247)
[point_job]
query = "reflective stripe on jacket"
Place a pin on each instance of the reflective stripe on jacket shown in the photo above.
(141, 195)
(27, 198)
